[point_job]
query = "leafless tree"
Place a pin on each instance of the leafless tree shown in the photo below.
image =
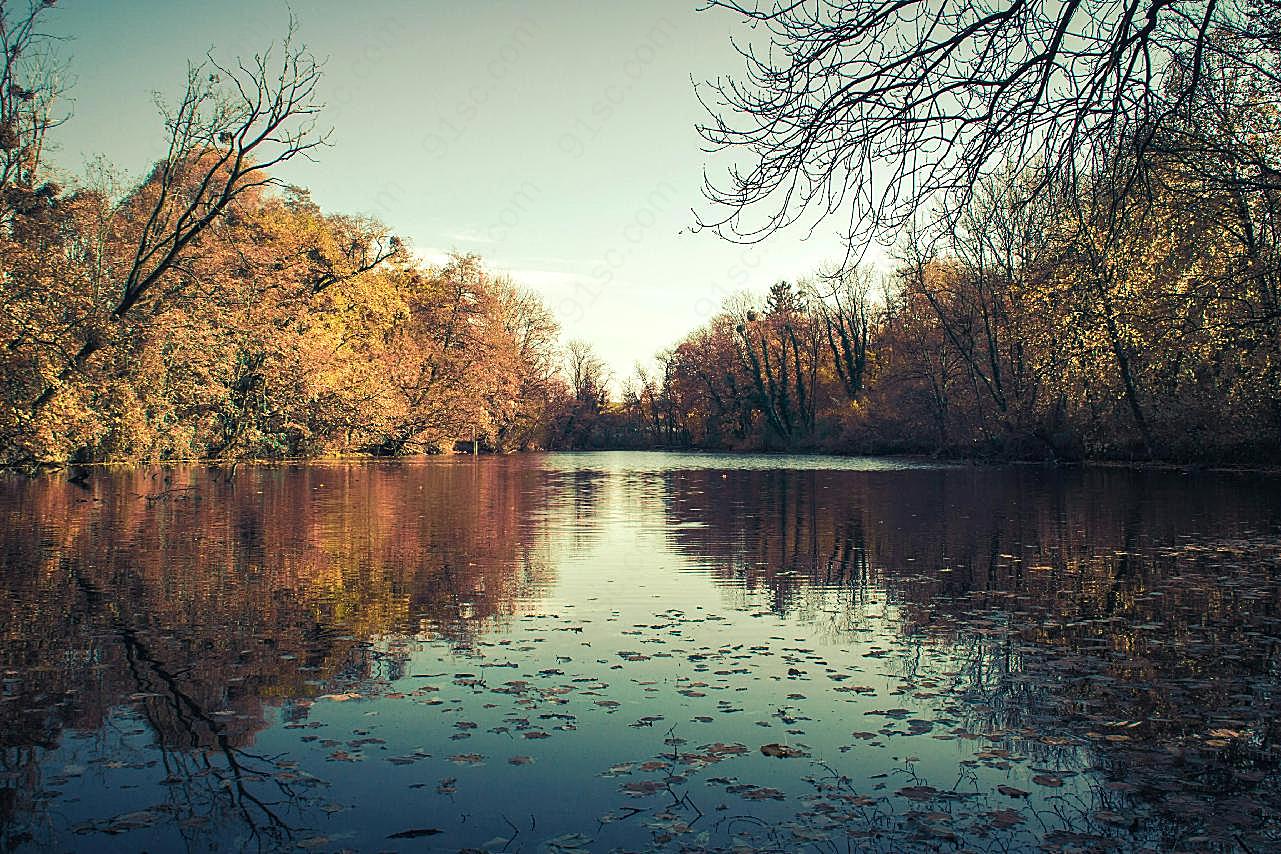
(29, 86)
(779, 349)
(879, 111)
(844, 302)
(588, 376)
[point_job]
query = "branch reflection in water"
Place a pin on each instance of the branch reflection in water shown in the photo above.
(1023, 656)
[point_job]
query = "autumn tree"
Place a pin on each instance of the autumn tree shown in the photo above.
(648, 400)
(442, 359)
(534, 354)
(233, 123)
(711, 393)
(1084, 198)
(578, 422)
(844, 302)
(779, 347)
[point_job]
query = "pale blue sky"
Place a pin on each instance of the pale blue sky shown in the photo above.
(554, 138)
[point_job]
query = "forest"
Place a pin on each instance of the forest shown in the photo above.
(1122, 306)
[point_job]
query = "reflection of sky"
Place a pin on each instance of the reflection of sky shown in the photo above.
(616, 462)
(641, 628)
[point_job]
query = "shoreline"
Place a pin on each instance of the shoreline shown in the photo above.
(1185, 467)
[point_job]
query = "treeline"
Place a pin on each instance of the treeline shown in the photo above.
(209, 310)
(1083, 199)
(283, 332)
(1095, 321)
(1132, 310)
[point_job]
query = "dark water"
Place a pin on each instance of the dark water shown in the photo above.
(565, 652)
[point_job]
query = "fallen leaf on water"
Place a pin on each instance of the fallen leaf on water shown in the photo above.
(782, 751)
(416, 833)
(1005, 818)
(917, 793)
(763, 793)
(132, 821)
(641, 788)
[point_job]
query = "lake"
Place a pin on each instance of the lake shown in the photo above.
(640, 651)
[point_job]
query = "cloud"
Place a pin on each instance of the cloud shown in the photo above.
(432, 256)
(547, 282)
(466, 236)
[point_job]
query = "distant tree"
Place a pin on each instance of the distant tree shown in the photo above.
(580, 421)
(843, 301)
(447, 361)
(647, 401)
(780, 352)
(588, 377)
(711, 393)
(534, 356)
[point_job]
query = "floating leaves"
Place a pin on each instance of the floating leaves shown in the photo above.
(132, 821)
(643, 788)
(918, 793)
(1038, 709)
(761, 793)
(1004, 819)
(341, 698)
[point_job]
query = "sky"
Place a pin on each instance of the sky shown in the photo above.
(556, 139)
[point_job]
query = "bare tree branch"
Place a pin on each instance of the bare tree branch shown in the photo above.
(30, 83)
(233, 124)
(882, 111)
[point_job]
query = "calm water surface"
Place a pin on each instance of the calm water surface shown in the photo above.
(640, 652)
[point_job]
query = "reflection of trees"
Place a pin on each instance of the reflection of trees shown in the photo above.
(210, 775)
(950, 533)
(772, 530)
(580, 492)
(1123, 617)
(203, 603)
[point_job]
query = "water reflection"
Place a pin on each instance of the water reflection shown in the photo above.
(182, 647)
(1138, 614)
(199, 603)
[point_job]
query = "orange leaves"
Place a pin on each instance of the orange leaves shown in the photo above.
(284, 332)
